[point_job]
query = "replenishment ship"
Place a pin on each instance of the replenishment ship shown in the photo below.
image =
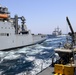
(13, 35)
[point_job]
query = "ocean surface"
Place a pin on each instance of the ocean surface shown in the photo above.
(30, 60)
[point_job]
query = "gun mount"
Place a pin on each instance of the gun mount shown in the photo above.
(72, 32)
(70, 26)
(66, 53)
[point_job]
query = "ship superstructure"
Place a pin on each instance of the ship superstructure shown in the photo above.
(57, 31)
(13, 35)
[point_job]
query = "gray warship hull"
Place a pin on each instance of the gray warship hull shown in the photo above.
(14, 35)
(10, 40)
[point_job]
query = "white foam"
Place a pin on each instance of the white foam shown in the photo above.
(31, 58)
(40, 65)
(52, 39)
(29, 51)
(1, 72)
(12, 57)
(3, 54)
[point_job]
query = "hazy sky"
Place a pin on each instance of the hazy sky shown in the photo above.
(43, 16)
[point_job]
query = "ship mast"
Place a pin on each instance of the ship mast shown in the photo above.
(15, 19)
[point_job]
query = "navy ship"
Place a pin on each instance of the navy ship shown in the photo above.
(13, 35)
(57, 32)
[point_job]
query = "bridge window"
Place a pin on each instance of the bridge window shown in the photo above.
(4, 34)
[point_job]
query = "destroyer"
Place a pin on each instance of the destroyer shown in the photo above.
(13, 35)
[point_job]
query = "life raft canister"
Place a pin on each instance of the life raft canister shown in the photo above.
(4, 16)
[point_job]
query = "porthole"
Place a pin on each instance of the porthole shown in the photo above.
(7, 34)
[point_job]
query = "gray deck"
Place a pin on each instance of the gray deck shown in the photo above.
(47, 71)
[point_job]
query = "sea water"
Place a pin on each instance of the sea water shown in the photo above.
(30, 60)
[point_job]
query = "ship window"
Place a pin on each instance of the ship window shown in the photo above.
(7, 34)
(3, 34)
